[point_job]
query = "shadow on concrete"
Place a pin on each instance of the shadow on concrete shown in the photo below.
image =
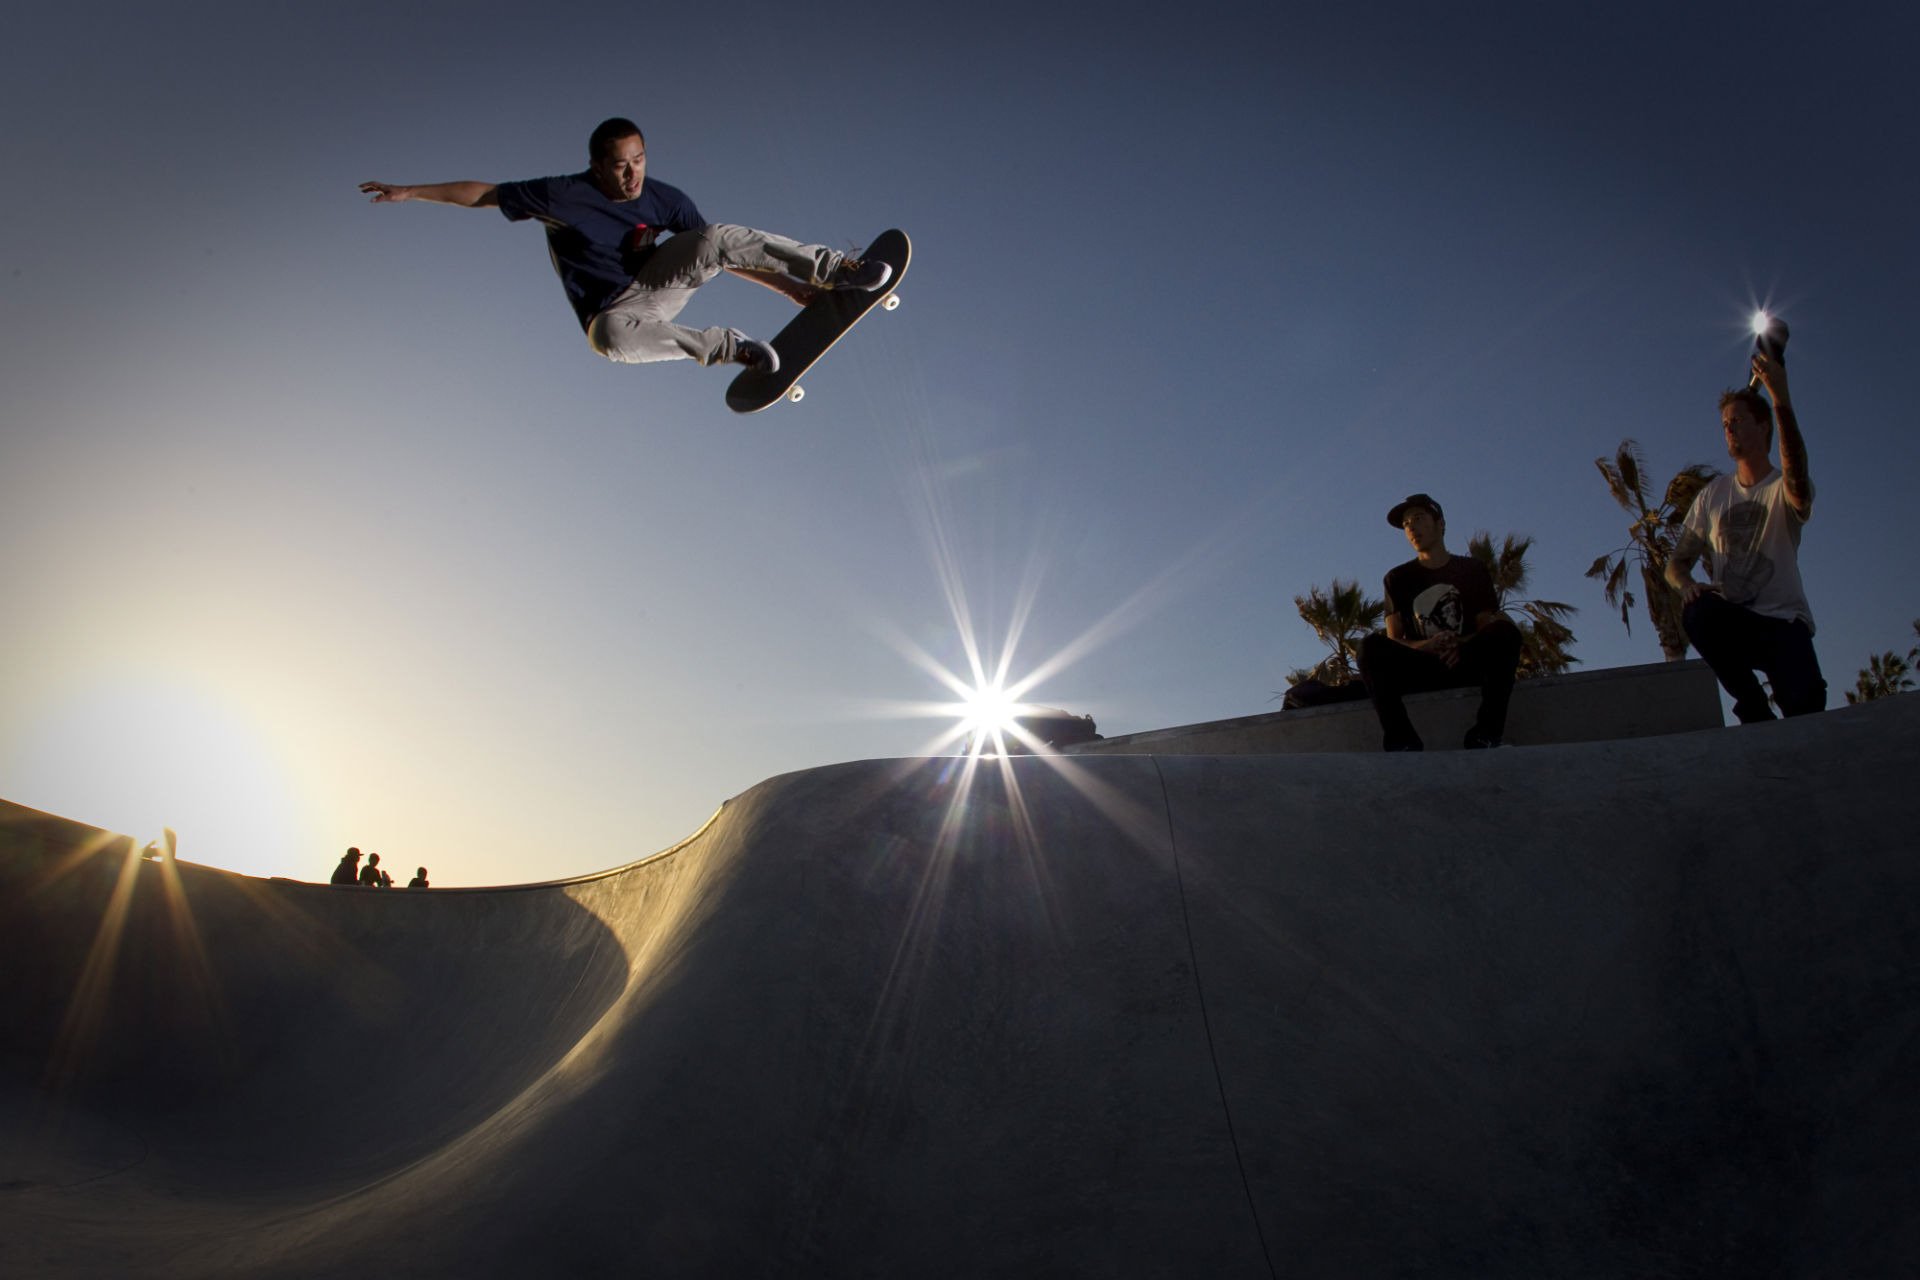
(261, 1036)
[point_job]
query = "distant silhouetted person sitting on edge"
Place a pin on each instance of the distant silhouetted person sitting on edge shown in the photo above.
(1444, 631)
(348, 872)
(372, 877)
(1752, 614)
(419, 880)
(623, 282)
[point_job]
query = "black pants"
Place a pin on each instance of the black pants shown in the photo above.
(1488, 658)
(1736, 642)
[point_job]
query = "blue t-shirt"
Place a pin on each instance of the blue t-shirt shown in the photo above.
(597, 243)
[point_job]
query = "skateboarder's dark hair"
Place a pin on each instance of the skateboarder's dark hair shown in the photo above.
(608, 132)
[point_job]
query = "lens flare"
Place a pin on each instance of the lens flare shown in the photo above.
(989, 711)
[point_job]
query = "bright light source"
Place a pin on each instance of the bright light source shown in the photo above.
(140, 751)
(1760, 322)
(990, 711)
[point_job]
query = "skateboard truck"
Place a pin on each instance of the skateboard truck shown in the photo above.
(889, 303)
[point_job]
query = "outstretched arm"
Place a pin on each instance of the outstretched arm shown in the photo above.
(1794, 476)
(468, 195)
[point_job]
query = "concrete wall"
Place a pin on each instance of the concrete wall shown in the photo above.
(1588, 706)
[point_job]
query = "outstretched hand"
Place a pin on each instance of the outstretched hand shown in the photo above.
(386, 192)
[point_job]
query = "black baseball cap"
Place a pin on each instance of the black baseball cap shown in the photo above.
(1398, 515)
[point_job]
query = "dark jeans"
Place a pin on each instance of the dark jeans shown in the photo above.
(1736, 642)
(1488, 658)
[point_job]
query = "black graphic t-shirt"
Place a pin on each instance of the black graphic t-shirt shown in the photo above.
(1429, 601)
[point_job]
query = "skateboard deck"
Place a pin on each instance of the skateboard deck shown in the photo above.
(820, 324)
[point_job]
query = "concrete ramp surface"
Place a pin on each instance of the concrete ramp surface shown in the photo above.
(1645, 1008)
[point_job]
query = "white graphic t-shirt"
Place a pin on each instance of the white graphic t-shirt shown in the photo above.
(1753, 545)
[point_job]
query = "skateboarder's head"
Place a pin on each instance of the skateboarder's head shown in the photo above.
(1422, 519)
(1746, 418)
(617, 158)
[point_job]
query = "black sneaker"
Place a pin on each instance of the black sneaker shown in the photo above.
(1477, 741)
(865, 275)
(756, 355)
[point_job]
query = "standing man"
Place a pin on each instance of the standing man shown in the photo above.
(624, 283)
(1444, 631)
(1752, 614)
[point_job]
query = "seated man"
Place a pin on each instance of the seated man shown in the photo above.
(1753, 614)
(1444, 631)
(348, 870)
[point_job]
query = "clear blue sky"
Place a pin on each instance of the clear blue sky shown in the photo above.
(323, 525)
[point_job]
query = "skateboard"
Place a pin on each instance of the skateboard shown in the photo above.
(820, 324)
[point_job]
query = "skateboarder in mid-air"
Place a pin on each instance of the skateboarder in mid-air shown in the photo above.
(627, 284)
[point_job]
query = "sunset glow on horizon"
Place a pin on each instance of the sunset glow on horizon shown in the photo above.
(134, 754)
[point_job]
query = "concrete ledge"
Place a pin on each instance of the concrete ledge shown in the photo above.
(1587, 706)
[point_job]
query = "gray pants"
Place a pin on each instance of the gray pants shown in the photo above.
(636, 327)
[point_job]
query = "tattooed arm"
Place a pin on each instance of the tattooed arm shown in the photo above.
(1686, 553)
(1794, 477)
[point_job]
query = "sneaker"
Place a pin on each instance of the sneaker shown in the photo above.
(758, 356)
(865, 275)
(1477, 741)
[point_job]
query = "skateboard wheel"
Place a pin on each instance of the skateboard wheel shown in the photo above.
(797, 394)
(892, 301)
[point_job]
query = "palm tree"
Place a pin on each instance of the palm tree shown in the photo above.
(1650, 541)
(1544, 634)
(1341, 616)
(1886, 673)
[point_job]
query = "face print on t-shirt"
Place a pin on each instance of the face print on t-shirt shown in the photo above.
(1438, 609)
(1747, 569)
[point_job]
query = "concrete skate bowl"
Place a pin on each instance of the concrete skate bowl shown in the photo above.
(1612, 1009)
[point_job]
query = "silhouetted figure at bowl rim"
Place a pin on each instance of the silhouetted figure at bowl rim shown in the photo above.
(372, 877)
(348, 872)
(419, 880)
